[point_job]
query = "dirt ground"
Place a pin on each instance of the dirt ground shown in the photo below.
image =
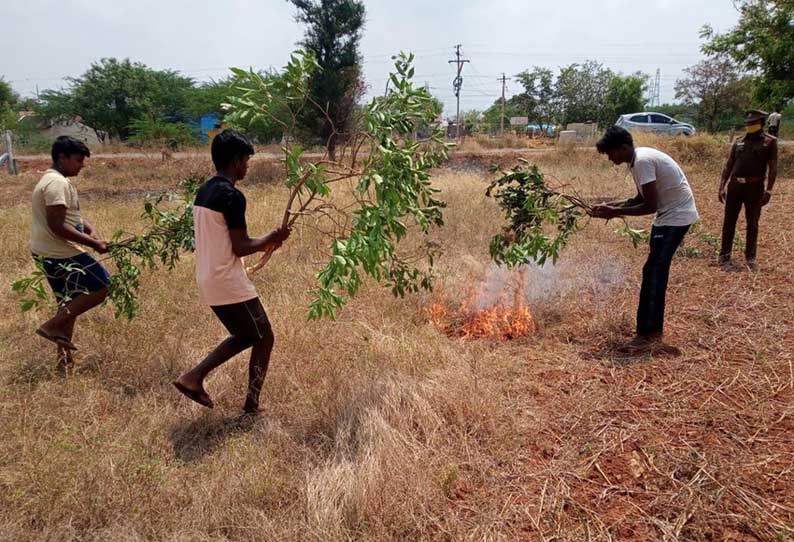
(380, 427)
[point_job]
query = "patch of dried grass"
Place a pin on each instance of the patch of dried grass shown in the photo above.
(379, 427)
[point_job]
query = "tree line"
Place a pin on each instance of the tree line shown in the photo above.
(749, 65)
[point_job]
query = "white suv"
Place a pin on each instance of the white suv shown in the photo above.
(654, 122)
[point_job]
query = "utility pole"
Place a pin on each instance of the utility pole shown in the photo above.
(458, 83)
(503, 79)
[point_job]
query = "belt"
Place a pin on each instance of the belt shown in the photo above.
(748, 180)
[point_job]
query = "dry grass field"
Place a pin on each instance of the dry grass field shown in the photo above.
(380, 427)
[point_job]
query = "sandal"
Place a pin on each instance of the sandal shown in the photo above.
(199, 396)
(60, 340)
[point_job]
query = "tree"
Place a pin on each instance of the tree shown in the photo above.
(263, 129)
(717, 90)
(113, 93)
(151, 131)
(167, 99)
(512, 108)
(332, 35)
(474, 121)
(624, 94)
(580, 90)
(208, 97)
(8, 98)
(8, 101)
(678, 110)
(763, 44)
(539, 101)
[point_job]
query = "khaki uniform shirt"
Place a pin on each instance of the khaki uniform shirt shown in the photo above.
(751, 155)
(54, 189)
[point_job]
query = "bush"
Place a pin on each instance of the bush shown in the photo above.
(155, 132)
(700, 149)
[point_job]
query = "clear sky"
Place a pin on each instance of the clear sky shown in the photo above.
(46, 40)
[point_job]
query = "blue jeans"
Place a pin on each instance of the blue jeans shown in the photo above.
(665, 240)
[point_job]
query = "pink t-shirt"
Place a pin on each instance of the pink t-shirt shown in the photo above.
(220, 274)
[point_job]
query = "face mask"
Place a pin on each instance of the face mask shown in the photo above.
(753, 128)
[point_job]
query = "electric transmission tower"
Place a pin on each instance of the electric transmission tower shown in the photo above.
(656, 90)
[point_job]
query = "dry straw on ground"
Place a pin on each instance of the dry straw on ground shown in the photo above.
(380, 427)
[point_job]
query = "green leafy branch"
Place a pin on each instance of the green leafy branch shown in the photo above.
(170, 234)
(636, 236)
(540, 219)
(383, 166)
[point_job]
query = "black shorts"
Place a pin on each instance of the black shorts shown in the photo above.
(247, 319)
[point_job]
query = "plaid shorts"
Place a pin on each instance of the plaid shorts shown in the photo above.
(70, 277)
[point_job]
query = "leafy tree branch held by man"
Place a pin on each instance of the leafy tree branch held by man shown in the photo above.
(381, 165)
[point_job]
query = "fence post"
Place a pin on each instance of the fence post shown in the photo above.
(12, 163)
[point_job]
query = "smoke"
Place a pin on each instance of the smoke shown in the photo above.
(592, 275)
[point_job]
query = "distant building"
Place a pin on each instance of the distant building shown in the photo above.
(74, 128)
(585, 131)
(209, 125)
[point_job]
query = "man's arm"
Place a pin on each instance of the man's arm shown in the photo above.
(770, 182)
(636, 200)
(56, 221)
(89, 228)
(771, 174)
(243, 245)
(642, 204)
(726, 174)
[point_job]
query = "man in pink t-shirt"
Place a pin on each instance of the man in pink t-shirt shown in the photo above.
(221, 242)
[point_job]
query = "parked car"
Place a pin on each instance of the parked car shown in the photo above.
(654, 122)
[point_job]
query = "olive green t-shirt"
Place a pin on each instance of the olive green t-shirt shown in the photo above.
(54, 189)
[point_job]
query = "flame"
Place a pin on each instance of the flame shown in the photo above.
(503, 321)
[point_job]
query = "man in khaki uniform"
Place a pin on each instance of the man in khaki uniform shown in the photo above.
(752, 162)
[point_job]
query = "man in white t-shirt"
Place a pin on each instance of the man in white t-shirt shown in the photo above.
(774, 122)
(662, 190)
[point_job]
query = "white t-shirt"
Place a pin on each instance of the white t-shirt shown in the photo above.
(774, 119)
(675, 201)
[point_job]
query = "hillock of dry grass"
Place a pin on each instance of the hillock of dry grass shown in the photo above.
(380, 427)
